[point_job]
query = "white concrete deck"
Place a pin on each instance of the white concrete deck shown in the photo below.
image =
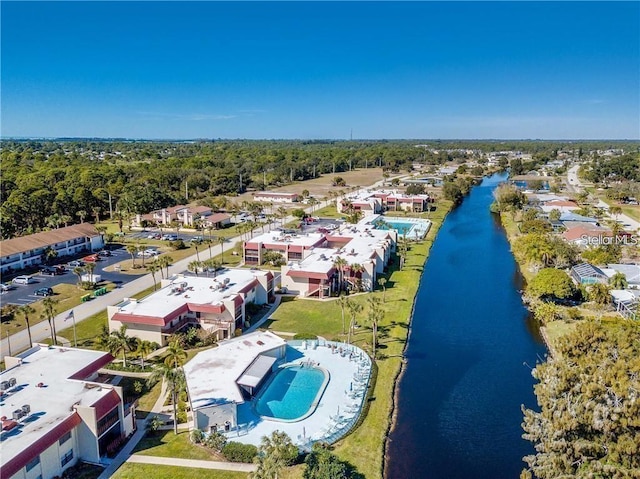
(338, 408)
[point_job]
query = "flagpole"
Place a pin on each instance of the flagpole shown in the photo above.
(75, 340)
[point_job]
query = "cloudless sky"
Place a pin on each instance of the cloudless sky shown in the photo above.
(552, 70)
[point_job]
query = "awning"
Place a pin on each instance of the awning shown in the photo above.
(258, 370)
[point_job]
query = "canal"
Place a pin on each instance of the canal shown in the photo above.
(469, 356)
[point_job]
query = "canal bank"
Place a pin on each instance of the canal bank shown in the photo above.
(469, 355)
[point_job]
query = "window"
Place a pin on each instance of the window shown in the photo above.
(66, 459)
(32, 463)
(65, 438)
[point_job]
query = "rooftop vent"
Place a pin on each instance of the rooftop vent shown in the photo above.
(12, 382)
(26, 409)
(17, 414)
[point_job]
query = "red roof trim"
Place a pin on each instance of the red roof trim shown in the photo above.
(136, 318)
(207, 308)
(249, 287)
(106, 403)
(13, 465)
(93, 367)
(308, 275)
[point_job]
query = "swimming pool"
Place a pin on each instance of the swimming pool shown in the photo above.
(292, 394)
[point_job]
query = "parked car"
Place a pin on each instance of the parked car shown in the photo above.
(197, 239)
(154, 236)
(92, 258)
(49, 270)
(76, 264)
(148, 252)
(43, 292)
(170, 237)
(5, 287)
(104, 252)
(60, 268)
(23, 280)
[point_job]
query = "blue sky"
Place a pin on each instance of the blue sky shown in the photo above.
(308, 70)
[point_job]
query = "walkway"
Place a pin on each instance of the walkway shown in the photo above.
(174, 461)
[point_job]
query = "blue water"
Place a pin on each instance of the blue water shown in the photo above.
(470, 351)
(406, 228)
(290, 393)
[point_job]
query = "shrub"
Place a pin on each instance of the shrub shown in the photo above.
(196, 436)
(216, 441)
(238, 452)
(301, 336)
(178, 244)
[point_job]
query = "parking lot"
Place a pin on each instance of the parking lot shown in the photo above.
(20, 294)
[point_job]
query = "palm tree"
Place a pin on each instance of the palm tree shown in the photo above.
(618, 281)
(153, 269)
(221, 241)
(176, 355)
(174, 379)
(194, 267)
(90, 268)
(82, 214)
(197, 252)
(96, 213)
(166, 262)
(211, 264)
(275, 452)
(615, 211)
(354, 309)
(25, 311)
(343, 302)
(354, 270)
(132, 249)
(79, 271)
(49, 313)
(144, 349)
(340, 264)
(119, 342)
(382, 282)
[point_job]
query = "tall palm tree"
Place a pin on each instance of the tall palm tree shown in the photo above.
(26, 311)
(153, 269)
(221, 241)
(354, 309)
(343, 302)
(90, 268)
(144, 349)
(132, 249)
(382, 282)
(49, 313)
(119, 342)
(340, 264)
(175, 381)
(166, 261)
(79, 271)
(355, 272)
(176, 355)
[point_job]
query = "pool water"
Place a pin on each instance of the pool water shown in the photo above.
(292, 393)
(411, 230)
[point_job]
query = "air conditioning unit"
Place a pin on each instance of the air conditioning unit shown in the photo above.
(26, 409)
(17, 414)
(4, 385)
(12, 382)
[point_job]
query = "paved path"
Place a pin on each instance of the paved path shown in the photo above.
(174, 461)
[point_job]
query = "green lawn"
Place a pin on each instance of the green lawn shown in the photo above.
(67, 295)
(364, 448)
(153, 471)
(168, 444)
(87, 331)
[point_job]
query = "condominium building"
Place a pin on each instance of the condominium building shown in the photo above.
(27, 251)
(55, 412)
(217, 304)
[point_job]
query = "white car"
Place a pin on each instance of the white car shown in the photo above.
(148, 252)
(23, 280)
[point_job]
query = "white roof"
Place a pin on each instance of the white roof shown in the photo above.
(254, 373)
(630, 271)
(52, 403)
(181, 289)
(280, 238)
(212, 375)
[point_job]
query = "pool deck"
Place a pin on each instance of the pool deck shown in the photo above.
(338, 408)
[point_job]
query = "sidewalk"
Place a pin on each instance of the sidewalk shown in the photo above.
(174, 461)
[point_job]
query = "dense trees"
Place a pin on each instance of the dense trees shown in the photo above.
(588, 424)
(552, 284)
